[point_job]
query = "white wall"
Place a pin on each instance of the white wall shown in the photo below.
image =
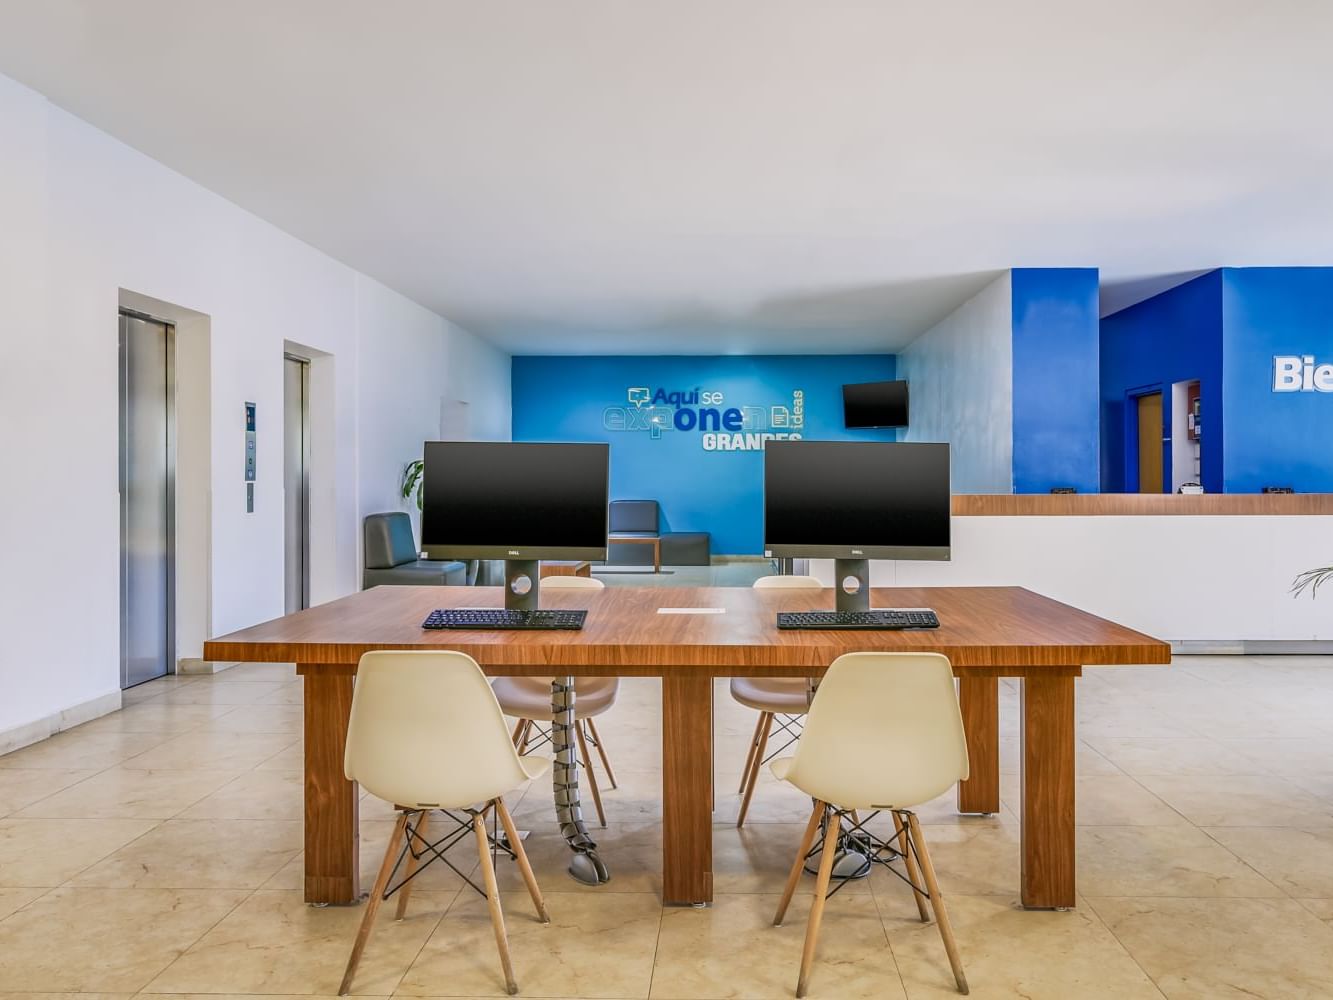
(82, 216)
(1193, 579)
(960, 373)
(403, 363)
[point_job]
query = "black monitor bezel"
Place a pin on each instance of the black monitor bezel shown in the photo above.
(794, 550)
(455, 551)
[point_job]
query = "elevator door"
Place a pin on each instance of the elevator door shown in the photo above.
(296, 481)
(147, 500)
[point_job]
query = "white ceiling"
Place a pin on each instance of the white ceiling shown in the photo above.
(716, 176)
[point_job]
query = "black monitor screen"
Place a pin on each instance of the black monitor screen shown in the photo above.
(854, 499)
(515, 500)
(875, 404)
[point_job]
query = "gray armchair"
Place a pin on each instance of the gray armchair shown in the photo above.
(643, 519)
(392, 557)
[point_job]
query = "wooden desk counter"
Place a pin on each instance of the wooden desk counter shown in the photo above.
(987, 632)
(1140, 504)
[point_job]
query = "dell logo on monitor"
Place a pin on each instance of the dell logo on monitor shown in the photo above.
(514, 552)
(1299, 373)
(858, 552)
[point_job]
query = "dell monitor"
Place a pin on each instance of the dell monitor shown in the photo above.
(517, 501)
(874, 404)
(853, 501)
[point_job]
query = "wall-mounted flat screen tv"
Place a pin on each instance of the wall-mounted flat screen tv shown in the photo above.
(875, 404)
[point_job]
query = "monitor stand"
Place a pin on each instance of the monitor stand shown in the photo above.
(522, 584)
(851, 585)
(855, 572)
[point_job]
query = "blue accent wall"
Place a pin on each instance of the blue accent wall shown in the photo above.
(1276, 438)
(1055, 378)
(1175, 336)
(719, 491)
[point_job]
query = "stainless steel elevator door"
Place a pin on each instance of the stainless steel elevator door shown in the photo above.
(296, 481)
(147, 500)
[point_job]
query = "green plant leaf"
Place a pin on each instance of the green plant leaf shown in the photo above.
(414, 481)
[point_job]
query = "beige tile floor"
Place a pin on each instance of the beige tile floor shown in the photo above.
(158, 851)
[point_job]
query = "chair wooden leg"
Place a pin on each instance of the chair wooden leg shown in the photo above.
(601, 752)
(521, 856)
(909, 862)
(766, 723)
(749, 756)
(521, 741)
(373, 903)
(493, 899)
(519, 726)
(817, 905)
(937, 904)
(422, 831)
(592, 778)
(798, 865)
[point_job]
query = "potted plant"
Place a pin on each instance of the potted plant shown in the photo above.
(414, 482)
(1311, 580)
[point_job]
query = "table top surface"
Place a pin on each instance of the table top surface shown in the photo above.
(1003, 630)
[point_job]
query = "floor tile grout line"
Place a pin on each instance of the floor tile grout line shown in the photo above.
(46, 891)
(657, 948)
(1125, 948)
(1154, 795)
(37, 802)
(888, 940)
(1222, 900)
(425, 940)
(67, 884)
(186, 950)
(1207, 832)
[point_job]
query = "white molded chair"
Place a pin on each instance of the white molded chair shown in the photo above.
(783, 700)
(884, 732)
(528, 699)
(426, 733)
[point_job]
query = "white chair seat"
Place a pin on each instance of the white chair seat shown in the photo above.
(530, 697)
(847, 795)
(779, 695)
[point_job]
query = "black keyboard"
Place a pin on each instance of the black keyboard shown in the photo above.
(503, 618)
(887, 618)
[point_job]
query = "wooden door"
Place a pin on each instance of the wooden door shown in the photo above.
(1150, 443)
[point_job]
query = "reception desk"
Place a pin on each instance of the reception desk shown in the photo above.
(1209, 573)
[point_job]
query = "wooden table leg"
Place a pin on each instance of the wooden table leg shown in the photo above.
(1048, 791)
(979, 698)
(332, 835)
(687, 789)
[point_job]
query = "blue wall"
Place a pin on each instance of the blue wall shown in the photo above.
(1055, 378)
(1172, 337)
(1276, 438)
(718, 491)
(1225, 328)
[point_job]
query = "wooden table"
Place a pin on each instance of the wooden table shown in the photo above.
(654, 540)
(987, 632)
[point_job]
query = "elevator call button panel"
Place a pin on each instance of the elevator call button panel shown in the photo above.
(250, 452)
(249, 442)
